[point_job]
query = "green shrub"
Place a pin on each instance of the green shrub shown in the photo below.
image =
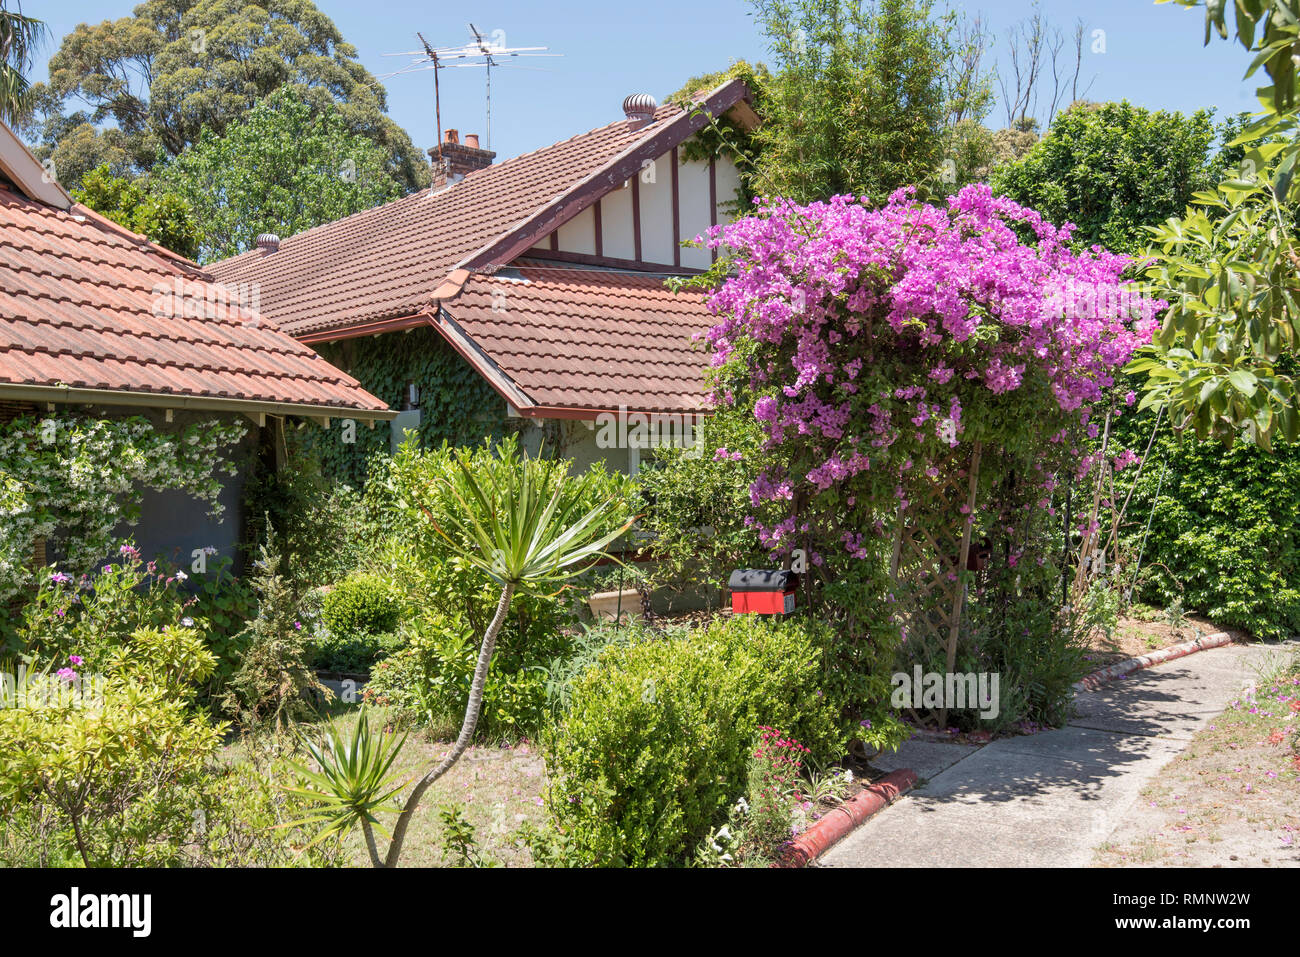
(361, 606)
(693, 505)
(1225, 531)
(656, 740)
(355, 655)
(427, 681)
(319, 526)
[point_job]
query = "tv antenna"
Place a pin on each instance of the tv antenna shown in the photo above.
(481, 51)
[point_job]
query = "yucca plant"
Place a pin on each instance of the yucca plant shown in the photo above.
(526, 527)
(354, 783)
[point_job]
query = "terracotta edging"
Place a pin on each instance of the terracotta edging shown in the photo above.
(1119, 669)
(840, 820)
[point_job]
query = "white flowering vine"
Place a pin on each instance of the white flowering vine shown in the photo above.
(73, 479)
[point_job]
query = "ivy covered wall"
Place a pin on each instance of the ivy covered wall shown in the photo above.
(456, 403)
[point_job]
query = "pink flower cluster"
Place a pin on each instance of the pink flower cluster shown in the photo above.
(821, 289)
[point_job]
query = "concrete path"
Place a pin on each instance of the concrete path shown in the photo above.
(1047, 800)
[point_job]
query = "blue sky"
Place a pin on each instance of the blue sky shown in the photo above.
(1154, 55)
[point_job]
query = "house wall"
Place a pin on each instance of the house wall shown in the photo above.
(636, 222)
(172, 524)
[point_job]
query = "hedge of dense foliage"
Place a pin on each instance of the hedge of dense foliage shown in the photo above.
(1225, 532)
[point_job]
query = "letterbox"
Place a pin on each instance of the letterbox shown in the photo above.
(762, 591)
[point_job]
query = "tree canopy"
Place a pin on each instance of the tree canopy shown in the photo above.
(151, 83)
(283, 168)
(855, 100)
(1113, 169)
(142, 205)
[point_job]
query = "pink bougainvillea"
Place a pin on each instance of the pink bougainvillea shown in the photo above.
(864, 340)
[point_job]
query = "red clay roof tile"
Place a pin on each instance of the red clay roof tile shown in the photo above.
(77, 301)
(586, 339)
(387, 262)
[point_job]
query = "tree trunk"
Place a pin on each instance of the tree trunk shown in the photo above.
(371, 846)
(472, 710)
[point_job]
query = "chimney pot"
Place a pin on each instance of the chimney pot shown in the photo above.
(453, 160)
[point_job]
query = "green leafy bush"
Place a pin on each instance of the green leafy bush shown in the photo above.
(354, 655)
(656, 740)
(1225, 532)
(319, 526)
(427, 682)
(361, 606)
(693, 507)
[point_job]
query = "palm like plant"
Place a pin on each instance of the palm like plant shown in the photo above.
(19, 36)
(527, 531)
(526, 527)
(354, 782)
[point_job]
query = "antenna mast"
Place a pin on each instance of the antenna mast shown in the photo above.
(481, 51)
(437, 94)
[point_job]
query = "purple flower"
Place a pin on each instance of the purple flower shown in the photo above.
(76, 659)
(67, 674)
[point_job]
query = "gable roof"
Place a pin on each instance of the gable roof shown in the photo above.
(388, 263)
(571, 342)
(86, 316)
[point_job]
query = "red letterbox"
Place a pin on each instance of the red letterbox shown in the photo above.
(761, 591)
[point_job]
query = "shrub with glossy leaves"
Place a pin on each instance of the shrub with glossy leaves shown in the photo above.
(655, 742)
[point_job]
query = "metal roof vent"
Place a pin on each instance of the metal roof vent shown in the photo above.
(268, 242)
(639, 109)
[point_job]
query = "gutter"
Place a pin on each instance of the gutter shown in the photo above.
(161, 400)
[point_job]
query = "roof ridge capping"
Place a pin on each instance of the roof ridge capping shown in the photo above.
(655, 139)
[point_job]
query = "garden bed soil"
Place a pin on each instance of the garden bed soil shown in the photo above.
(1136, 636)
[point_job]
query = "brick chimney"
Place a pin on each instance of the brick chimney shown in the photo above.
(453, 159)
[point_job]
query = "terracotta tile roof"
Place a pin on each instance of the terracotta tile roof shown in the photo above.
(585, 339)
(386, 262)
(77, 310)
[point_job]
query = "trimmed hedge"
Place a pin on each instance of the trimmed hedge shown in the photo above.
(654, 745)
(1225, 533)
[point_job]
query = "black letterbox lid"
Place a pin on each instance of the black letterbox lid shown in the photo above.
(762, 579)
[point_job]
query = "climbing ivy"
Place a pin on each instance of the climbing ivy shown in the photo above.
(456, 403)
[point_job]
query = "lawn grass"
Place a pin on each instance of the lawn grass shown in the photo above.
(497, 790)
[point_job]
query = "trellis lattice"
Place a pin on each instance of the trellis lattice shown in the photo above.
(932, 546)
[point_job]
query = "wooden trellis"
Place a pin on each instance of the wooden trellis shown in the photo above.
(932, 542)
